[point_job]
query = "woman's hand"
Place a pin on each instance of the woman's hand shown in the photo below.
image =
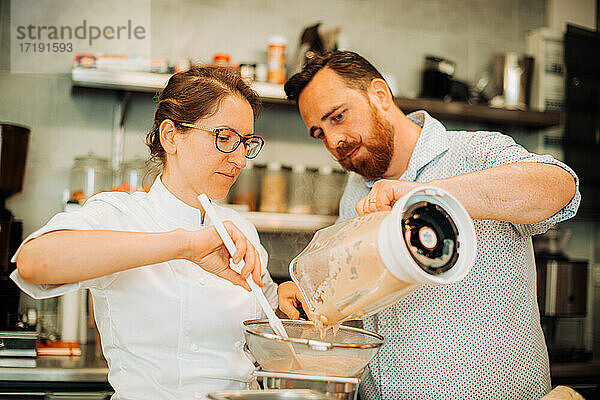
(289, 300)
(206, 249)
(383, 195)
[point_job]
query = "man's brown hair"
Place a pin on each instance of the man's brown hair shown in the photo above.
(356, 72)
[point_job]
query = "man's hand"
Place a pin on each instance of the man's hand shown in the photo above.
(383, 195)
(289, 300)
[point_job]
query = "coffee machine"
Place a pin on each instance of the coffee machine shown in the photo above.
(14, 140)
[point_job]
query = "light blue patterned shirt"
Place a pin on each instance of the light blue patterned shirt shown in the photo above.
(481, 337)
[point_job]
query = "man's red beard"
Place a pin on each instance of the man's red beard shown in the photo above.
(379, 144)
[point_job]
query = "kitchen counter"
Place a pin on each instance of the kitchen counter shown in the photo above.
(85, 368)
(576, 370)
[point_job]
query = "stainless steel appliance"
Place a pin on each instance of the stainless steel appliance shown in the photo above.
(512, 77)
(562, 294)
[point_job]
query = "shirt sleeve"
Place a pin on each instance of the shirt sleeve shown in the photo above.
(495, 149)
(93, 215)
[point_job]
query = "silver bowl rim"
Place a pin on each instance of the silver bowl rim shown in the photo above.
(315, 344)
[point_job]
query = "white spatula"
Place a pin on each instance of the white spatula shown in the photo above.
(274, 322)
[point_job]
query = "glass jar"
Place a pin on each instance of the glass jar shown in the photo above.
(133, 175)
(245, 189)
(274, 189)
(355, 268)
(300, 191)
(327, 192)
(89, 175)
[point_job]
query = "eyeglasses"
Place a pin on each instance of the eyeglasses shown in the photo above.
(227, 140)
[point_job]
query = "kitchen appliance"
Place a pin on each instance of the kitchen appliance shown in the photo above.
(562, 297)
(436, 77)
(512, 78)
(357, 267)
(14, 140)
(331, 364)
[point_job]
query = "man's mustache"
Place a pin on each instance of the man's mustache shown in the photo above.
(345, 148)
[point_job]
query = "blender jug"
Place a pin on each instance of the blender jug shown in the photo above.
(355, 268)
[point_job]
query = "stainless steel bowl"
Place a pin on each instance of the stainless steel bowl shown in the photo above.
(277, 394)
(344, 354)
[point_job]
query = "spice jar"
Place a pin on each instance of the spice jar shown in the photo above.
(274, 189)
(245, 189)
(89, 175)
(300, 191)
(353, 269)
(221, 59)
(132, 174)
(248, 72)
(276, 59)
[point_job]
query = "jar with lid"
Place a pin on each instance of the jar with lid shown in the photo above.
(133, 175)
(276, 59)
(274, 188)
(327, 192)
(245, 189)
(221, 59)
(355, 268)
(89, 175)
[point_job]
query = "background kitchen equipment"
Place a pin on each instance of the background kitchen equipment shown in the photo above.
(14, 141)
(436, 77)
(562, 297)
(512, 79)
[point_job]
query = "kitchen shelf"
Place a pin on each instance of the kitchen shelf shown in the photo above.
(273, 94)
(460, 111)
(281, 222)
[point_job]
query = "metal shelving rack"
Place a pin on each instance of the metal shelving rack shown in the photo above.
(124, 83)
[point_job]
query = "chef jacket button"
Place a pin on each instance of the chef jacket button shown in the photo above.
(239, 344)
(195, 347)
(199, 395)
(385, 367)
(202, 281)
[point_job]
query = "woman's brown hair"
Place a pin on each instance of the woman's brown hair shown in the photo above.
(193, 94)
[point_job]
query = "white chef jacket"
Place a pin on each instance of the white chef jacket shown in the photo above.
(169, 330)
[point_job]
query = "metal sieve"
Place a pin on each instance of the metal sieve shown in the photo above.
(344, 354)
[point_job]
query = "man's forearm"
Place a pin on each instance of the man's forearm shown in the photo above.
(519, 193)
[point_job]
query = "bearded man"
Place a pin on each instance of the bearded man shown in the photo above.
(478, 338)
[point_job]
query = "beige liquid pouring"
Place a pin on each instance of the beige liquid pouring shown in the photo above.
(345, 274)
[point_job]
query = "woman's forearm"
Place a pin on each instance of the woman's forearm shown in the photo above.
(72, 256)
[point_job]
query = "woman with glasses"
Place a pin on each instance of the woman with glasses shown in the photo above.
(167, 304)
